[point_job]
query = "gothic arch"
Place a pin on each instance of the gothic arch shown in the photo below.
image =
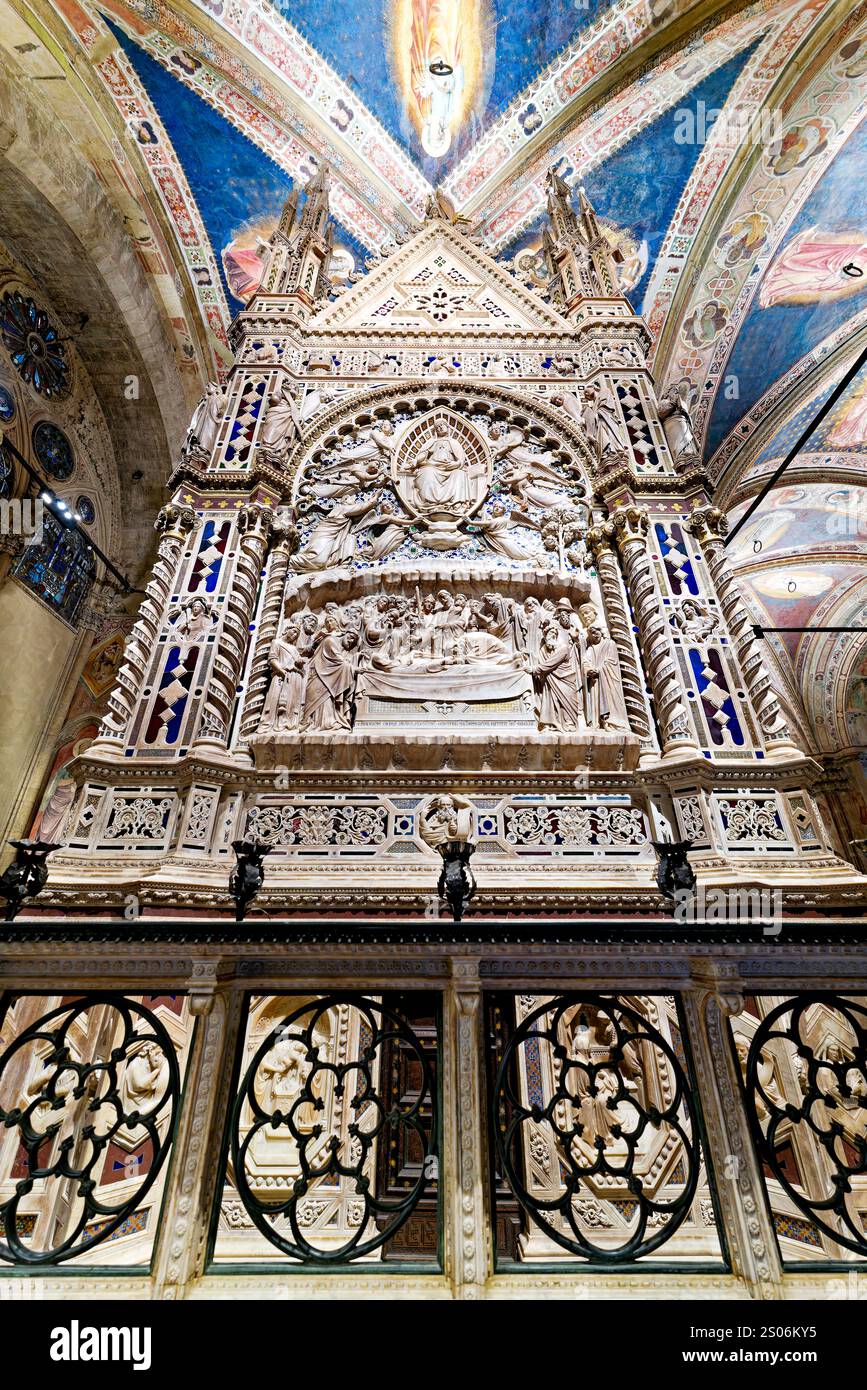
(547, 426)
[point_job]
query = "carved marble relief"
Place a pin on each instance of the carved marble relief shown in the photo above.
(422, 482)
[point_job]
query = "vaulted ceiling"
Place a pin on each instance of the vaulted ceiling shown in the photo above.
(725, 143)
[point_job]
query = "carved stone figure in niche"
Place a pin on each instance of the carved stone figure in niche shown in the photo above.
(205, 423)
(602, 422)
(194, 619)
(675, 412)
(446, 816)
(381, 366)
(331, 682)
(693, 621)
(441, 470)
(496, 530)
(441, 366)
(603, 701)
(332, 541)
(439, 474)
(144, 1080)
(267, 353)
(282, 423)
(286, 691)
(593, 1087)
(355, 478)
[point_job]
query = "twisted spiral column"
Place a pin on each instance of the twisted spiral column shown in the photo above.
(254, 528)
(709, 526)
(284, 544)
(601, 542)
(175, 523)
(630, 526)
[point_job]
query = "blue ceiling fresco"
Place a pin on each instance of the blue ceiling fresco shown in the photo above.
(238, 189)
(639, 187)
(816, 281)
(384, 50)
(842, 428)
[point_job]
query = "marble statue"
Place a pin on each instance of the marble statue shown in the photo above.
(331, 682)
(693, 621)
(560, 705)
(282, 423)
(286, 692)
(332, 540)
(205, 422)
(675, 412)
(526, 473)
(496, 529)
(194, 619)
(144, 1079)
(605, 707)
(439, 473)
(602, 422)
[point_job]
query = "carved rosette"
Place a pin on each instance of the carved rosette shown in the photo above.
(284, 544)
(175, 523)
(630, 526)
(601, 542)
(709, 526)
(254, 528)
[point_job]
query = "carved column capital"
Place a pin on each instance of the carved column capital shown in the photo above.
(255, 521)
(708, 524)
(630, 524)
(601, 539)
(175, 522)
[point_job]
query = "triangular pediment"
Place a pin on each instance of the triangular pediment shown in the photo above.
(440, 283)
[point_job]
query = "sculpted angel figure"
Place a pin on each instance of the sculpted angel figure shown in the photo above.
(496, 530)
(376, 442)
(526, 472)
(332, 541)
(693, 620)
(388, 530)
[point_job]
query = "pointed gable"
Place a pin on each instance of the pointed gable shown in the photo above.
(440, 283)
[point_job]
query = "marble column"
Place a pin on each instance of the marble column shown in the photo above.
(175, 524)
(630, 525)
(601, 542)
(709, 526)
(194, 1173)
(468, 1227)
(254, 528)
(284, 542)
(750, 1234)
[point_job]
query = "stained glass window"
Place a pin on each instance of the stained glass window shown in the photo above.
(34, 345)
(58, 567)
